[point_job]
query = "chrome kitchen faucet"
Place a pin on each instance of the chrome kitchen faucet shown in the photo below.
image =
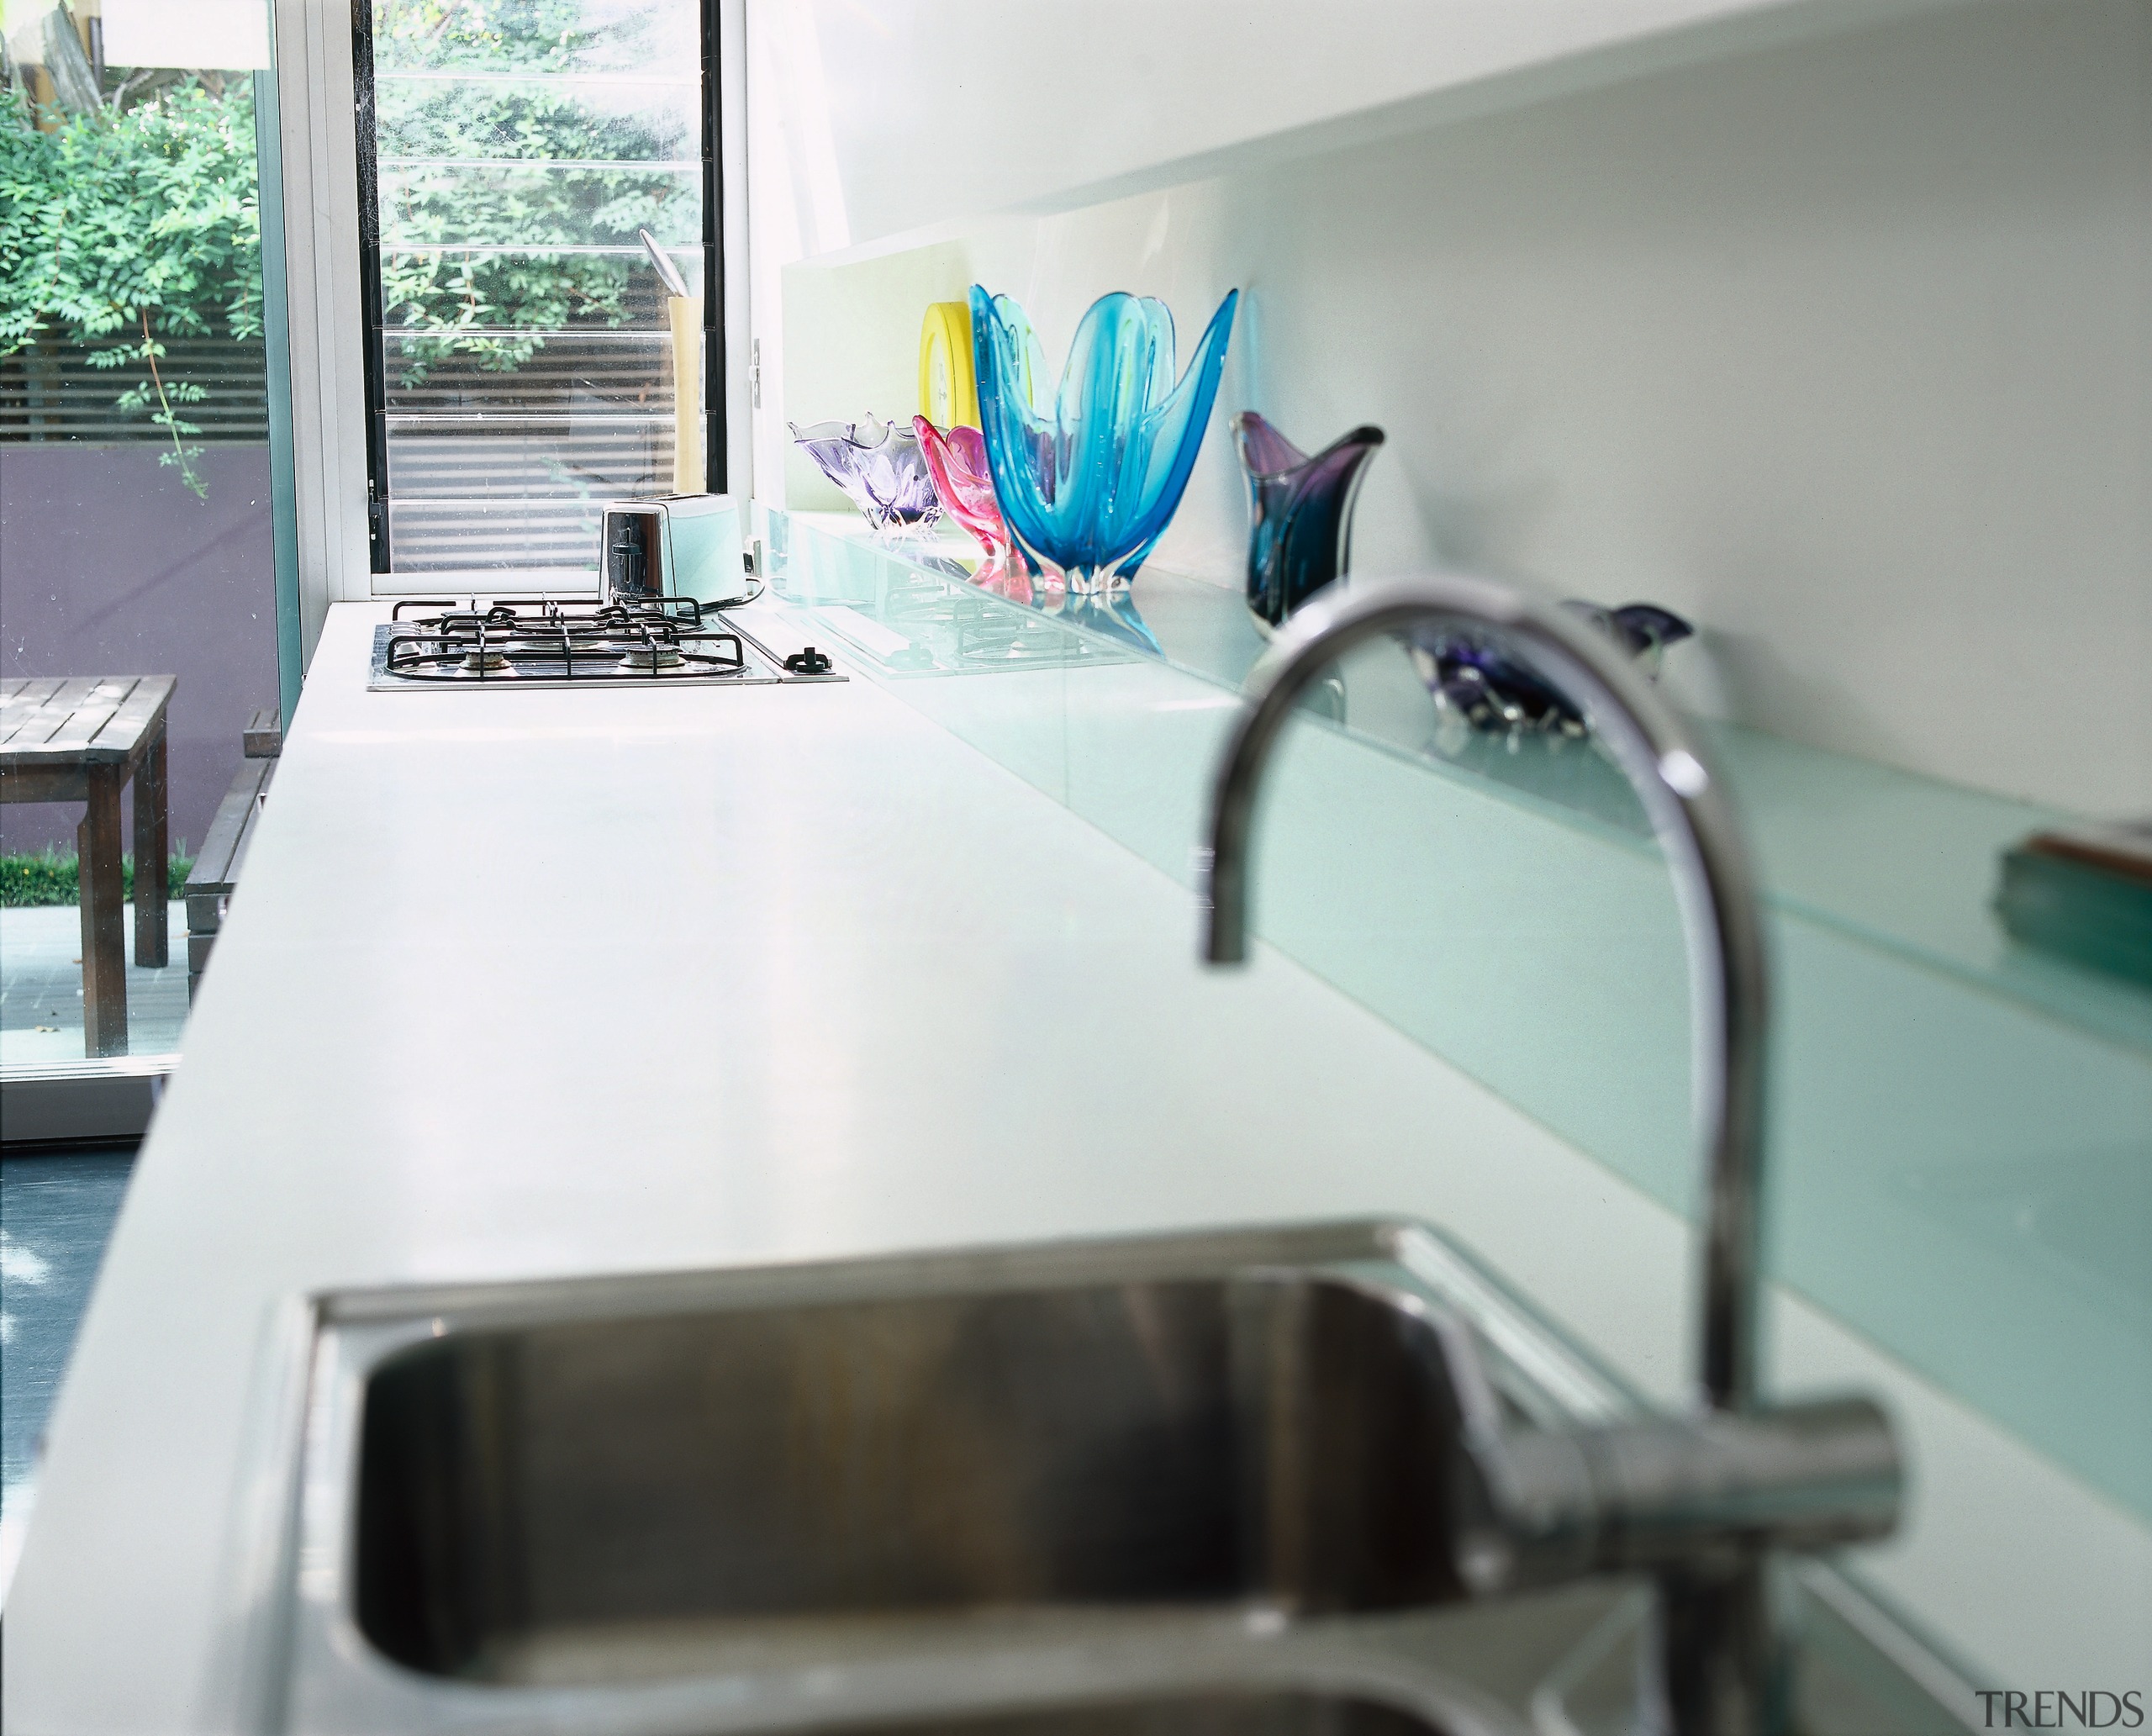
(1699, 1501)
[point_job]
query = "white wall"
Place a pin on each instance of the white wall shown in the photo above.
(945, 109)
(1843, 347)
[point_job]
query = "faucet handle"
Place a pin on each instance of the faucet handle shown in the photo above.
(1541, 1508)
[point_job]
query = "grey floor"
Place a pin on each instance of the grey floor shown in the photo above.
(56, 1214)
(41, 987)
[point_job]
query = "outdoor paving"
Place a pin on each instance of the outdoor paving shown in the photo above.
(56, 1214)
(41, 987)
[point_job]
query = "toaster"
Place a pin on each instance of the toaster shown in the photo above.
(672, 546)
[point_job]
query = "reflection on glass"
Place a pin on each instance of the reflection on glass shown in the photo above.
(1112, 614)
(908, 610)
(1005, 575)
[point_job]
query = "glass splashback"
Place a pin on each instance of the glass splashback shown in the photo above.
(1961, 1130)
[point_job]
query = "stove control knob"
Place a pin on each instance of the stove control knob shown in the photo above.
(809, 662)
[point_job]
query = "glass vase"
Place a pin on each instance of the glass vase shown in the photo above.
(1300, 512)
(1087, 484)
(1477, 685)
(948, 389)
(957, 462)
(879, 465)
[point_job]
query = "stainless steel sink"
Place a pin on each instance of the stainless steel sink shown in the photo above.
(1221, 1712)
(1263, 1436)
(1192, 1482)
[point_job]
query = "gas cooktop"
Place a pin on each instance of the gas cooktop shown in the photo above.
(546, 642)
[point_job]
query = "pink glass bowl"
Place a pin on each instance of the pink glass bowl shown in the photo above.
(956, 461)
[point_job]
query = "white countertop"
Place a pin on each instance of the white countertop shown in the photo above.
(531, 984)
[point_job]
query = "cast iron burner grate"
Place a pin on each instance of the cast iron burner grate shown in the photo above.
(661, 640)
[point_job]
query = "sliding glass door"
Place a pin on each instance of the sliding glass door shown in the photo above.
(531, 355)
(140, 385)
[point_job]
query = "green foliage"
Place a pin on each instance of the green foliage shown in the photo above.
(51, 878)
(122, 228)
(118, 230)
(486, 306)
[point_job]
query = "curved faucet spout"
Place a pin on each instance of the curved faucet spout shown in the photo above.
(1689, 811)
(1535, 1508)
(1699, 1501)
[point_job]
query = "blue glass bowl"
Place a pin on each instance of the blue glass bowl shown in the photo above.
(1089, 486)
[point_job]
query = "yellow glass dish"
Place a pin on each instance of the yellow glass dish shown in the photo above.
(948, 387)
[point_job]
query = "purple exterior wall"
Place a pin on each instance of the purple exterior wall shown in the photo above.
(108, 566)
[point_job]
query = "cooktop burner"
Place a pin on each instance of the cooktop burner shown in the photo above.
(546, 643)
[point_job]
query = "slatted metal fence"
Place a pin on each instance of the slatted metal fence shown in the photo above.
(488, 466)
(53, 394)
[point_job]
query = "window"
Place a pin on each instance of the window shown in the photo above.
(527, 360)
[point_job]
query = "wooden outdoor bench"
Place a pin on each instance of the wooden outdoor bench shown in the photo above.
(216, 869)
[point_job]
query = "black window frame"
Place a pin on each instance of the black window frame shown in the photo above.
(380, 554)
